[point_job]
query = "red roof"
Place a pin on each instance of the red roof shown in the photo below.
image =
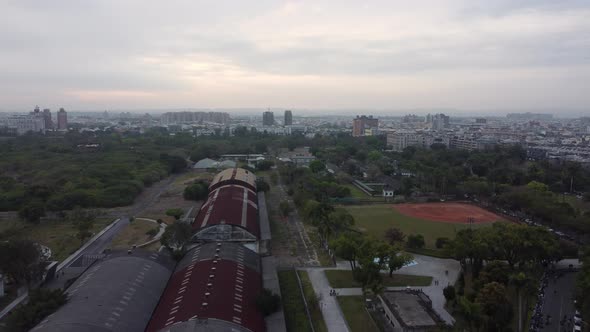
(221, 289)
(230, 204)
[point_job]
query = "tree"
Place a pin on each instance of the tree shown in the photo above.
(441, 242)
(176, 235)
(32, 212)
(42, 302)
(267, 302)
(415, 241)
(519, 280)
(449, 293)
(396, 260)
(264, 165)
(21, 261)
(471, 312)
(394, 235)
(285, 208)
(176, 213)
(346, 247)
(495, 305)
(317, 166)
(262, 185)
(196, 192)
(83, 220)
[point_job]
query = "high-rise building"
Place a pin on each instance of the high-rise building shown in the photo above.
(268, 118)
(62, 119)
(288, 118)
(47, 119)
(364, 126)
(438, 121)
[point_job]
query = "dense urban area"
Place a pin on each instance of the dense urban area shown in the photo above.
(210, 221)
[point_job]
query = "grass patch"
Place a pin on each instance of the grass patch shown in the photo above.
(377, 218)
(357, 317)
(355, 192)
(312, 302)
(343, 279)
(293, 306)
(133, 234)
(58, 235)
(314, 237)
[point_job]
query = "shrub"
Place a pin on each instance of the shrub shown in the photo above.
(449, 292)
(267, 302)
(415, 241)
(441, 242)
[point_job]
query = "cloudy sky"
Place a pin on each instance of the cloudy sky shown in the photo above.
(136, 54)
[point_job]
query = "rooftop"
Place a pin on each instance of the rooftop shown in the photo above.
(219, 296)
(117, 293)
(230, 205)
(234, 176)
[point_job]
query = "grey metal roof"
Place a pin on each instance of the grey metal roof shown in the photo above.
(227, 251)
(117, 293)
(205, 325)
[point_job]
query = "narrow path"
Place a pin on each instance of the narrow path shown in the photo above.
(333, 316)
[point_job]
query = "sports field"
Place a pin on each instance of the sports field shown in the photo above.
(375, 219)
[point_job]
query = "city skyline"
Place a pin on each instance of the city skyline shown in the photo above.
(473, 57)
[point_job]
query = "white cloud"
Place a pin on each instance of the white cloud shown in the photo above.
(385, 54)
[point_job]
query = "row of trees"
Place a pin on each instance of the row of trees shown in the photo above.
(495, 259)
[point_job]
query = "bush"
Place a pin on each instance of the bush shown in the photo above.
(449, 292)
(441, 242)
(264, 165)
(152, 232)
(262, 185)
(176, 213)
(42, 303)
(267, 302)
(415, 241)
(196, 192)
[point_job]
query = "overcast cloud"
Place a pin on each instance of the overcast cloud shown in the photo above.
(124, 54)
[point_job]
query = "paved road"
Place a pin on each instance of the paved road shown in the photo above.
(97, 246)
(426, 266)
(559, 302)
(333, 316)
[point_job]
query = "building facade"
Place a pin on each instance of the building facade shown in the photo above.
(62, 119)
(268, 118)
(364, 126)
(288, 118)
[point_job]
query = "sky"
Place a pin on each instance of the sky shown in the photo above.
(466, 55)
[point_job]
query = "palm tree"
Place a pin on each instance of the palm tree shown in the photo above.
(519, 280)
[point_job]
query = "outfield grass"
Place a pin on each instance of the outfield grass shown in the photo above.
(293, 306)
(357, 317)
(377, 218)
(343, 279)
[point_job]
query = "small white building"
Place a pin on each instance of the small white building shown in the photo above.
(388, 191)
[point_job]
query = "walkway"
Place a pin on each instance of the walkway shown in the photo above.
(426, 266)
(333, 316)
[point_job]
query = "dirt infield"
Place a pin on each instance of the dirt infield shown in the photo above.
(447, 212)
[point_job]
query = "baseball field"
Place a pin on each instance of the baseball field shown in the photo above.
(432, 220)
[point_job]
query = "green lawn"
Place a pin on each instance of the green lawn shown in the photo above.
(343, 279)
(293, 307)
(58, 235)
(355, 192)
(375, 219)
(357, 317)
